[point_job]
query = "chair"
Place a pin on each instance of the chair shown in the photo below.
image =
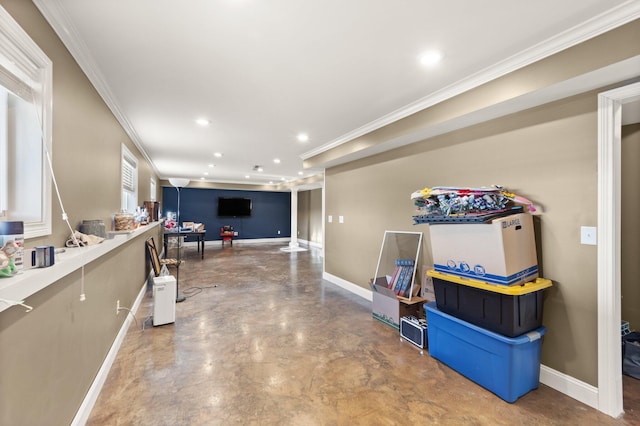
(226, 234)
(156, 262)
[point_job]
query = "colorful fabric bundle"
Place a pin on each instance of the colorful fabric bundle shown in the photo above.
(449, 201)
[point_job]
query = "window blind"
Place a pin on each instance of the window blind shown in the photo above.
(129, 166)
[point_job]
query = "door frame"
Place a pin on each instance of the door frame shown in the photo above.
(610, 103)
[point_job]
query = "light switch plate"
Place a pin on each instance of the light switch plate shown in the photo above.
(341, 219)
(588, 235)
(329, 218)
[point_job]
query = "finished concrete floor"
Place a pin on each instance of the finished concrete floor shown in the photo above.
(262, 340)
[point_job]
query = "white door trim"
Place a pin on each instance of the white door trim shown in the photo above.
(609, 200)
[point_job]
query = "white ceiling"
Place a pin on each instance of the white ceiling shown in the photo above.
(264, 71)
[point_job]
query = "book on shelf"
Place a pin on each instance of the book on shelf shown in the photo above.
(402, 286)
(406, 284)
(398, 285)
(394, 277)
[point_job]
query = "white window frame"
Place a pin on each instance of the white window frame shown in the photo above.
(29, 69)
(128, 180)
(153, 192)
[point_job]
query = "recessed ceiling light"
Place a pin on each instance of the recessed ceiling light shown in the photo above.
(247, 176)
(300, 173)
(276, 160)
(270, 182)
(260, 169)
(217, 154)
(203, 122)
(430, 58)
(201, 178)
(206, 173)
(210, 166)
(303, 137)
(283, 178)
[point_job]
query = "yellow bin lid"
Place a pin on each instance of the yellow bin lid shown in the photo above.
(514, 290)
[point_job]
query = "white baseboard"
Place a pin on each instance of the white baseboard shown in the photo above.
(82, 415)
(349, 286)
(284, 240)
(310, 243)
(570, 386)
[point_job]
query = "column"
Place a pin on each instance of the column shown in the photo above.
(294, 218)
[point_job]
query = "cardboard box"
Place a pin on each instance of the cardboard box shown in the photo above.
(428, 292)
(500, 252)
(508, 367)
(388, 308)
(192, 226)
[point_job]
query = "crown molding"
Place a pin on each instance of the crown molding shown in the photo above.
(613, 18)
(55, 13)
(57, 16)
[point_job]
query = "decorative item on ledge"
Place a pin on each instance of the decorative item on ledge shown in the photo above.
(22, 285)
(123, 221)
(93, 227)
(11, 248)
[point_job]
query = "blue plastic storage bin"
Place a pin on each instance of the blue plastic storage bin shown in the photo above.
(508, 367)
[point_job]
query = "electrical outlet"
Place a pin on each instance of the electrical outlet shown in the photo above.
(117, 306)
(278, 232)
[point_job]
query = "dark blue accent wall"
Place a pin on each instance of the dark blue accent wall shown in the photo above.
(271, 211)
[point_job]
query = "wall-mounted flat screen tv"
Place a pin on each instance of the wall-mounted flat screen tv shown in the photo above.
(234, 207)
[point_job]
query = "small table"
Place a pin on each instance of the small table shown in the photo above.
(198, 234)
(227, 236)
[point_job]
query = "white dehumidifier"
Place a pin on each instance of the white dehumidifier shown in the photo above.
(164, 300)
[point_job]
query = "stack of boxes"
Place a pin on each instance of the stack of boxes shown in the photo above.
(486, 322)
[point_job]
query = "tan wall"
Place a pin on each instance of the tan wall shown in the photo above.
(310, 215)
(548, 154)
(52, 354)
(315, 212)
(630, 235)
(303, 215)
